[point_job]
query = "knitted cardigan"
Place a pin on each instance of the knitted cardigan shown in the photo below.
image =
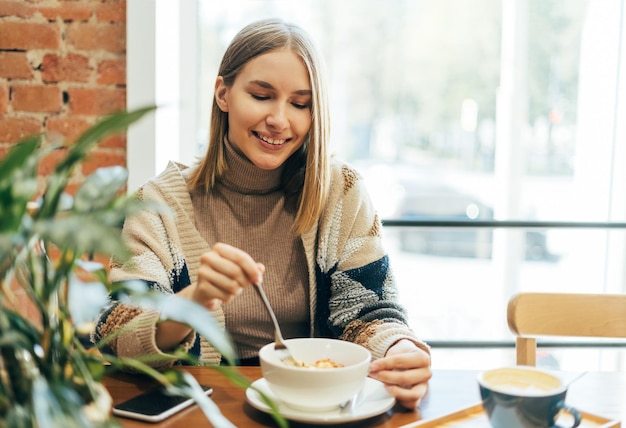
(353, 294)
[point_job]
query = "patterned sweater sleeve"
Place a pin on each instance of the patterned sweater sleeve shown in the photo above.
(151, 238)
(357, 294)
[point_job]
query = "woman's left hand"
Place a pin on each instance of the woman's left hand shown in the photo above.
(405, 371)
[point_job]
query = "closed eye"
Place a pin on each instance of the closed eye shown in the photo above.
(260, 97)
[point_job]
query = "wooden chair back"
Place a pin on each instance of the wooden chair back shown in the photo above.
(530, 315)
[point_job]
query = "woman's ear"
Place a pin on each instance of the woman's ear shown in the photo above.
(220, 94)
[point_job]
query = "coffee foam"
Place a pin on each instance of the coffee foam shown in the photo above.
(521, 381)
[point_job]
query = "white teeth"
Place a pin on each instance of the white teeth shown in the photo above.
(271, 140)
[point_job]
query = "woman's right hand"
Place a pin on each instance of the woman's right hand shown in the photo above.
(223, 273)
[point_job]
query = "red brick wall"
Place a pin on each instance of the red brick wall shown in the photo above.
(62, 66)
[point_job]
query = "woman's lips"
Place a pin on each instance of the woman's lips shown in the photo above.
(270, 140)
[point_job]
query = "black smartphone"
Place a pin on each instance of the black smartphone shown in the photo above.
(155, 405)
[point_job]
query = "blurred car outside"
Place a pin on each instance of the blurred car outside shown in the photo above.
(403, 192)
(442, 203)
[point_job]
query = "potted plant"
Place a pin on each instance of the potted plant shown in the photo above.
(49, 246)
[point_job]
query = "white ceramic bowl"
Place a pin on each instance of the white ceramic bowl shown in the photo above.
(316, 389)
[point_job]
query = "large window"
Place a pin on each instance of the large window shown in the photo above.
(471, 110)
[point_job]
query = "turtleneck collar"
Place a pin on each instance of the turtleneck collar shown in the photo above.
(245, 177)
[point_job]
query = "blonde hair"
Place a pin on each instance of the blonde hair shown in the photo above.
(306, 174)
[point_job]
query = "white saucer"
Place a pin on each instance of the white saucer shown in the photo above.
(375, 400)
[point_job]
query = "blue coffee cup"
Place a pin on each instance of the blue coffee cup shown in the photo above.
(524, 397)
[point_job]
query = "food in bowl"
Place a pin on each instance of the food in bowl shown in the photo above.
(311, 390)
(325, 363)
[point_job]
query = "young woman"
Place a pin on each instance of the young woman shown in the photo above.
(267, 203)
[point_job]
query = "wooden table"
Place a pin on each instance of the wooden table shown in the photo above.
(600, 393)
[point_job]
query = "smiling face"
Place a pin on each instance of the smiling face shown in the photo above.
(268, 106)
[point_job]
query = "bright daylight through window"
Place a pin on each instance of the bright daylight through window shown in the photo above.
(482, 109)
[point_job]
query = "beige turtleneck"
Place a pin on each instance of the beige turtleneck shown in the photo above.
(248, 210)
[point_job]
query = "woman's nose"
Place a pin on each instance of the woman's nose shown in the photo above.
(277, 117)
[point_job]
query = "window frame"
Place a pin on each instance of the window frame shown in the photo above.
(161, 69)
(152, 142)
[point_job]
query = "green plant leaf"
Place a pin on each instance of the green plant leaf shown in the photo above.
(86, 300)
(18, 157)
(18, 416)
(76, 153)
(56, 405)
(112, 124)
(97, 370)
(14, 328)
(18, 181)
(127, 206)
(100, 189)
(241, 381)
(136, 365)
(9, 244)
(185, 384)
(91, 266)
(82, 234)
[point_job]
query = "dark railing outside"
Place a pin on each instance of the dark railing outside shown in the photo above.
(501, 224)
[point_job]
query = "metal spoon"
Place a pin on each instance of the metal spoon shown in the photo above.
(279, 343)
